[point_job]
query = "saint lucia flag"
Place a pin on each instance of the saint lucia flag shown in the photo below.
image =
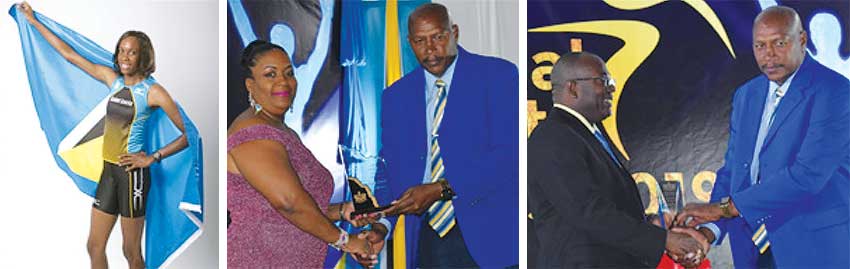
(374, 54)
(71, 109)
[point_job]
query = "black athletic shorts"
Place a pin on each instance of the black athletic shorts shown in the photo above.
(122, 192)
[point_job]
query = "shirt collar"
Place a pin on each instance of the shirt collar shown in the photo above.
(590, 127)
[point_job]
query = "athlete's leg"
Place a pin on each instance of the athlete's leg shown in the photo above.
(101, 227)
(131, 229)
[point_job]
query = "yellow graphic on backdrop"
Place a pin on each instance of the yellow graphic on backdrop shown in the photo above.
(640, 40)
(699, 5)
(534, 116)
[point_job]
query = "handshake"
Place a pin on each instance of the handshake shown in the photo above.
(680, 239)
(686, 246)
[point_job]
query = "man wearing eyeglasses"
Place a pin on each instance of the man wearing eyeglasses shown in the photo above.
(782, 193)
(586, 206)
(450, 144)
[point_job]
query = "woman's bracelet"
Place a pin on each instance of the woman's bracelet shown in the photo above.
(341, 242)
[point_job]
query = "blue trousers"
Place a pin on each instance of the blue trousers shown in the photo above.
(447, 252)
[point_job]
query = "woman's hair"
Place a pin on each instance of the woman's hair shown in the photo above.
(254, 50)
(146, 63)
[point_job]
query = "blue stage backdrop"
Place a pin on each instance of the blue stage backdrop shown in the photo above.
(301, 29)
(677, 65)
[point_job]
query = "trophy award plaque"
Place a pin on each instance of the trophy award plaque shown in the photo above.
(672, 192)
(362, 198)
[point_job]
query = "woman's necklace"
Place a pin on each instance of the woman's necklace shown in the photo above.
(275, 121)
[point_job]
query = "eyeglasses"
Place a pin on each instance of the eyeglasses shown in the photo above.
(606, 81)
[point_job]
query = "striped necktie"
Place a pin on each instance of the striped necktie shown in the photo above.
(441, 213)
(760, 236)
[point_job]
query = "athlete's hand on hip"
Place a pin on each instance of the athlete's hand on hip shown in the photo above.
(136, 160)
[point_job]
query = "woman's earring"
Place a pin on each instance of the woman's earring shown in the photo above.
(257, 107)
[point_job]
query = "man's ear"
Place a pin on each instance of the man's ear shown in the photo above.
(572, 89)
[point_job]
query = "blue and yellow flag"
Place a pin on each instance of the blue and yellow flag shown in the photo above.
(374, 54)
(71, 107)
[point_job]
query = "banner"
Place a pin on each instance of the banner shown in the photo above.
(71, 107)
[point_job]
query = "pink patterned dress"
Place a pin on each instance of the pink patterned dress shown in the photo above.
(258, 236)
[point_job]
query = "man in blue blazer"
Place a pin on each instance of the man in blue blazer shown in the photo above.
(782, 194)
(450, 144)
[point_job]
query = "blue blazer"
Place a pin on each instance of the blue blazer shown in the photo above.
(805, 170)
(479, 144)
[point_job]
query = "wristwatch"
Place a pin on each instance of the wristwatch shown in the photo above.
(446, 193)
(724, 205)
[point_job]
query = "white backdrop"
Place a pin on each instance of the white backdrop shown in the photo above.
(487, 27)
(44, 219)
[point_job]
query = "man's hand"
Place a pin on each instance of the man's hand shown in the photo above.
(416, 199)
(376, 238)
(702, 213)
(687, 247)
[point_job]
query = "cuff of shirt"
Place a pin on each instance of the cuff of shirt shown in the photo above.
(389, 226)
(714, 229)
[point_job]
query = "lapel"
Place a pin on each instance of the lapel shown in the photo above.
(631, 186)
(794, 96)
(596, 147)
(414, 97)
(460, 90)
(614, 149)
(749, 125)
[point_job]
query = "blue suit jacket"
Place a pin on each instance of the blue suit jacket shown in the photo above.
(479, 145)
(804, 167)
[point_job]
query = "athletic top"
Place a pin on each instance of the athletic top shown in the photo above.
(126, 114)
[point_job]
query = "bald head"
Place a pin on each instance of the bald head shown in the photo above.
(779, 42)
(433, 11)
(781, 16)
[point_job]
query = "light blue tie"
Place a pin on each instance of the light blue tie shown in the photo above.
(764, 127)
(760, 236)
(605, 145)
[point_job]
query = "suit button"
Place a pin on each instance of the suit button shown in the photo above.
(746, 165)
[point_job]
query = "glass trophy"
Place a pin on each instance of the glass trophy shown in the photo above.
(672, 192)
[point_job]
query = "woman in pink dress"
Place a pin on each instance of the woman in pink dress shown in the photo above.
(277, 192)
